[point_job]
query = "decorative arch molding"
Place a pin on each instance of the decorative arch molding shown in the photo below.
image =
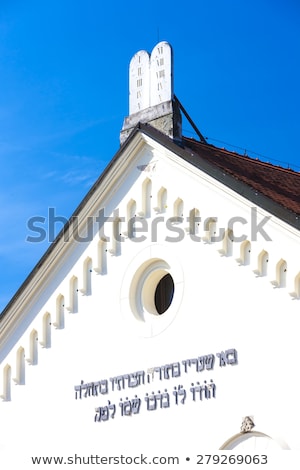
(131, 215)
(46, 331)
(33, 348)
(281, 270)
(73, 295)
(227, 243)
(296, 293)
(245, 253)
(260, 441)
(178, 208)
(297, 285)
(101, 257)
(194, 222)
(146, 198)
(162, 201)
(210, 228)
(20, 366)
(60, 312)
(87, 270)
(6, 391)
(262, 264)
(117, 238)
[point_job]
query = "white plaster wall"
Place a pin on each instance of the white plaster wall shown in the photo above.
(218, 304)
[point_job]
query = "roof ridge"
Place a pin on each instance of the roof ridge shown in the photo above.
(249, 158)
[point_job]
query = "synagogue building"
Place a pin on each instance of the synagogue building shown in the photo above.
(166, 313)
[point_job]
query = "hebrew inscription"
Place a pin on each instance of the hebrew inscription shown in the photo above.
(157, 398)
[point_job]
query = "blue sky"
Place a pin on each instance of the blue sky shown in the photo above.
(64, 94)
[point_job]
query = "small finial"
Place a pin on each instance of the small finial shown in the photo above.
(247, 424)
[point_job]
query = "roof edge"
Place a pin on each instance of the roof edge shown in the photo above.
(276, 209)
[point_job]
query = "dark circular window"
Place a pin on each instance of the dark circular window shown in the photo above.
(164, 294)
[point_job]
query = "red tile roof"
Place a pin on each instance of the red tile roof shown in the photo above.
(279, 184)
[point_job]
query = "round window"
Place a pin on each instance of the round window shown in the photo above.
(164, 293)
(152, 291)
(156, 288)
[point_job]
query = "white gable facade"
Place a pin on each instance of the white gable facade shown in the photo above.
(164, 321)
